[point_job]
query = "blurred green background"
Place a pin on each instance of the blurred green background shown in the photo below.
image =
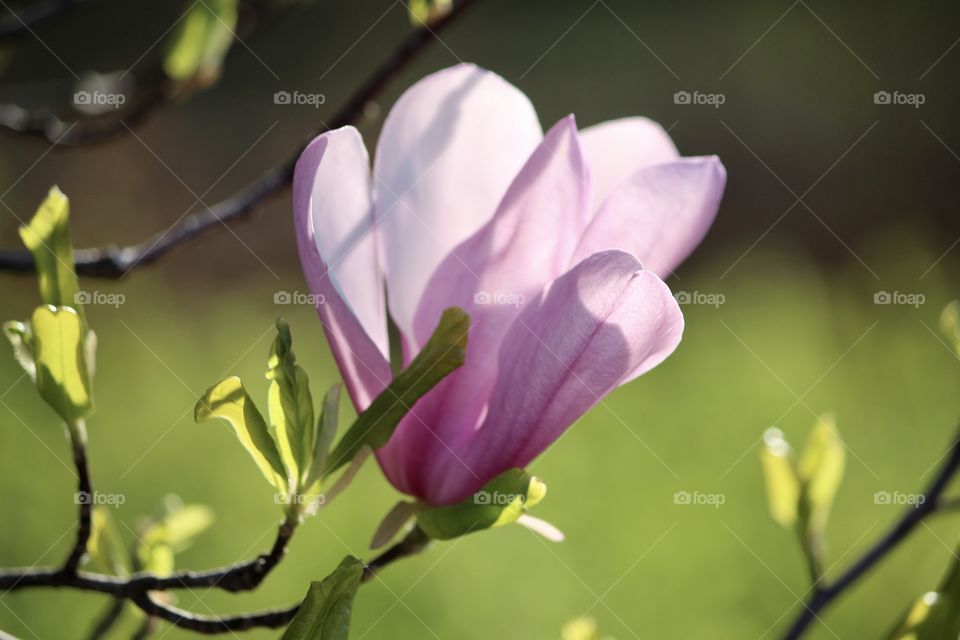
(798, 333)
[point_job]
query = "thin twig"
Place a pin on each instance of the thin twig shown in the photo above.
(911, 517)
(107, 619)
(115, 262)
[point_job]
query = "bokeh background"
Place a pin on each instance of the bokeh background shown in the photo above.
(831, 199)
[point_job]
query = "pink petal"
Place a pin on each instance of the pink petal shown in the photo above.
(604, 321)
(527, 244)
(660, 213)
(447, 153)
(617, 148)
(333, 221)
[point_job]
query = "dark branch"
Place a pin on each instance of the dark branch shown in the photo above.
(247, 576)
(239, 577)
(114, 262)
(414, 542)
(272, 619)
(153, 91)
(84, 500)
(912, 516)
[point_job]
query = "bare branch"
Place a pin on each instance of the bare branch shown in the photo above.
(912, 516)
(115, 262)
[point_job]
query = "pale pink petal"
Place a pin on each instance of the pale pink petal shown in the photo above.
(448, 150)
(659, 213)
(617, 148)
(605, 320)
(527, 244)
(333, 221)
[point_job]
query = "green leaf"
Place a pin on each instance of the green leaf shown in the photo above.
(780, 476)
(325, 612)
(501, 501)
(821, 469)
(107, 551)
(290, 406)
(61, 367)
(325, 432)
(443, 354)
(20, 336)
(201, 42)
(936, 614)
(229, 400)
(427, 12)
(47, 236)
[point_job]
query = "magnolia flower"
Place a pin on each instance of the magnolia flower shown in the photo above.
(539, 237)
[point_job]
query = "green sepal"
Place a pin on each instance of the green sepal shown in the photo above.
(501, 501)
